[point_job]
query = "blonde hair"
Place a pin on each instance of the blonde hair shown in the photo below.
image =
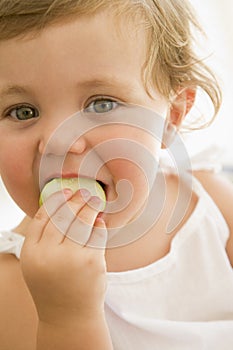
(171, 63)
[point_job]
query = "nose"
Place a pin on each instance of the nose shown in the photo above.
(66, 137)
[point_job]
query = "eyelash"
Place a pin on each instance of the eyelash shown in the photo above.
(100, 100)
(89, 108)
(17, 108)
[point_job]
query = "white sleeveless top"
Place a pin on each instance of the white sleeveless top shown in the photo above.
(183, 301)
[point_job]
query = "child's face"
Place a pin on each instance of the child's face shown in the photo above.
(57, 74)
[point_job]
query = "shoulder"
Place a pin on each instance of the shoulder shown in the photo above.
(221, 191)
(18, 319)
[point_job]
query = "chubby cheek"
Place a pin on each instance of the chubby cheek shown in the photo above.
(23, 194)
(133, 166)
(132, 187)
(16, 172)
(130, 175)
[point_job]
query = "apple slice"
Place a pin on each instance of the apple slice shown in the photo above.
(74, 184)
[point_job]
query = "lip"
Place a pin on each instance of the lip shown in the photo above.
(102, 183)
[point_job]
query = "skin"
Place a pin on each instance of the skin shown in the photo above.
(60, 312)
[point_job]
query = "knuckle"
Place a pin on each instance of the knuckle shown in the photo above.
(84, 217)
(73, 208)
(58, 218)
(40, 216)
(93, 262)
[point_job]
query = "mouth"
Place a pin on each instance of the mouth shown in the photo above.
(55, 184)
(103, 185)
(72, 176)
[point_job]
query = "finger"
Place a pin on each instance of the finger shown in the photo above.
(81, 228)
(99, 235)
(61, 220)
(56, 200)
(38, 224)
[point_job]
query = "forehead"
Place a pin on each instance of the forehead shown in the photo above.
(90, 55)
(90, 44)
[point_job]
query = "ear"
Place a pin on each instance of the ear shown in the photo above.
(180, 106)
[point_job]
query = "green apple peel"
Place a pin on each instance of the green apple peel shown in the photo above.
(74, 184)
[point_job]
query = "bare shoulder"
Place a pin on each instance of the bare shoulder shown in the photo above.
(18, 320)
(221, 190)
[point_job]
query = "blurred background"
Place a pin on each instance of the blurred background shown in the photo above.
(214, 144)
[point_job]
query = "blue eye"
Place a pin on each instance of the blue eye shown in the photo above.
(101, 106)
(23, 112)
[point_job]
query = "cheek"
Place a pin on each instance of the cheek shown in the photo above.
(131, 154)
(132, 183)
(10, 163)
(16, 171)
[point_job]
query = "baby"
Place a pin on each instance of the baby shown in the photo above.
(94, 89)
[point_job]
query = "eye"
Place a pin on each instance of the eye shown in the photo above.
(23, 112)
(102, 105)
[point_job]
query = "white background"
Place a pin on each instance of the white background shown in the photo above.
(216, 17)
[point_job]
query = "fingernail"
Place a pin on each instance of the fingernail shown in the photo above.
(100, 220)
(96, 202)
(67, 193)
(85, 193)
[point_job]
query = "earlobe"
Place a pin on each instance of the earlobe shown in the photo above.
(181, 105)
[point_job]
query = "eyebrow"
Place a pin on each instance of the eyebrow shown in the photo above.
(107, 82)
(111, 81)
(12, 90)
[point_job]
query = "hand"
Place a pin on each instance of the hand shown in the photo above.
(67, 280)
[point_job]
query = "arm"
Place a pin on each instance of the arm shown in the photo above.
(80, 335)
(221, 190)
